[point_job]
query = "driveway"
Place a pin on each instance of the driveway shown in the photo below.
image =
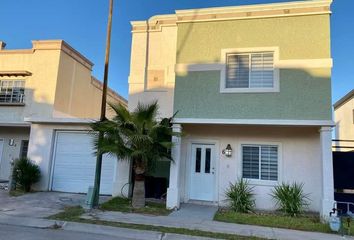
(39, 204)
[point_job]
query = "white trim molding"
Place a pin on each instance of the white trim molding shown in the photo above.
(182, 68)
(296, 8)
(198, 67)
(266, 122)
(270, 10)
(60, 120)
(304, 63)
(15, 124)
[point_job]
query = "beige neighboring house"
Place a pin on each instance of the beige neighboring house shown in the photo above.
(344, 118)
(47, 99)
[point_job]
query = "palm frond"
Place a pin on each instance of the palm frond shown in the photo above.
(135, 136)
(146, 112)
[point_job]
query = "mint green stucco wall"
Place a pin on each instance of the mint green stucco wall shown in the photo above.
(301, 96)
(304, 93)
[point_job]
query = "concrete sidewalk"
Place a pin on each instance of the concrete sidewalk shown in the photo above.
(211, 226)
(39, 204)
(116, 232)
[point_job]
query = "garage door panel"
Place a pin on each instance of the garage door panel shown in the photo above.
(74, 164)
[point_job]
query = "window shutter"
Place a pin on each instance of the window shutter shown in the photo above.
(237, 71)
(250, 70)
(250, 168)
(262, 70)
(269, 163)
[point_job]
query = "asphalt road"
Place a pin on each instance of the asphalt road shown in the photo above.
(8, 232)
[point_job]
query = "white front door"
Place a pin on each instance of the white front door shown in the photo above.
(203, 172)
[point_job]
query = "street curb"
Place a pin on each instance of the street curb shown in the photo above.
(173, 236)
(28, 222)
(112, 231)
(214, 226)
(93, 228)
(79, 227)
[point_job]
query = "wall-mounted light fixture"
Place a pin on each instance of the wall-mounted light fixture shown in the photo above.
(227, 151)
(11, 142)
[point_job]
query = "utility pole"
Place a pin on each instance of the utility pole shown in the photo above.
(96, 187)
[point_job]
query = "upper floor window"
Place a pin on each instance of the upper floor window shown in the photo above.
(12, 91)
(250, 70)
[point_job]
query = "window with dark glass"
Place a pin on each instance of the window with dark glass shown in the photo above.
(24, 148)
(207, 160)
(250, 162)
(198, 159)
(250, 70)
(12, 91)
(260, 162)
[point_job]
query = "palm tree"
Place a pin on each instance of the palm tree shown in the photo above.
(138, 137)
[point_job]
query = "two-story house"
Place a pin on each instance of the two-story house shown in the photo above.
(251, 86)
(344, 118)
(48, 97)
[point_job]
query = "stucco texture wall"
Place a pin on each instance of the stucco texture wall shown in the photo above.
(40, 149)
(344, 119)
(75, 95)
(153, 52)
(299, 161)
(297, 37)
(39, 87)
(10, 153)
(305, 93)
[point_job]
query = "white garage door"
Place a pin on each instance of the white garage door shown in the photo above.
(74, 164)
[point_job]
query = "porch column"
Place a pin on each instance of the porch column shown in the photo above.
(327, 172)
(173, 198)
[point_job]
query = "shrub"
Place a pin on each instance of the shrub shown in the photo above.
(25, 173)
(290, 198)
(241, 196)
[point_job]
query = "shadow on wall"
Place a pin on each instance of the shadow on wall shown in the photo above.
(185, 38)
(304, 94)
(11, 148)
(35, 106)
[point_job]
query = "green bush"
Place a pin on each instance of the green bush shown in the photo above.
(241, 196)
(26, 173)
(290, 198)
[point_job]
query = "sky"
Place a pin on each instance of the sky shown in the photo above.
(82, 23)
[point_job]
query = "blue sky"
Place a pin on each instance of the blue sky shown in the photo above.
(82, 23)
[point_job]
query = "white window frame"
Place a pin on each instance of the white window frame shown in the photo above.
(225, 52)
(260, 181)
